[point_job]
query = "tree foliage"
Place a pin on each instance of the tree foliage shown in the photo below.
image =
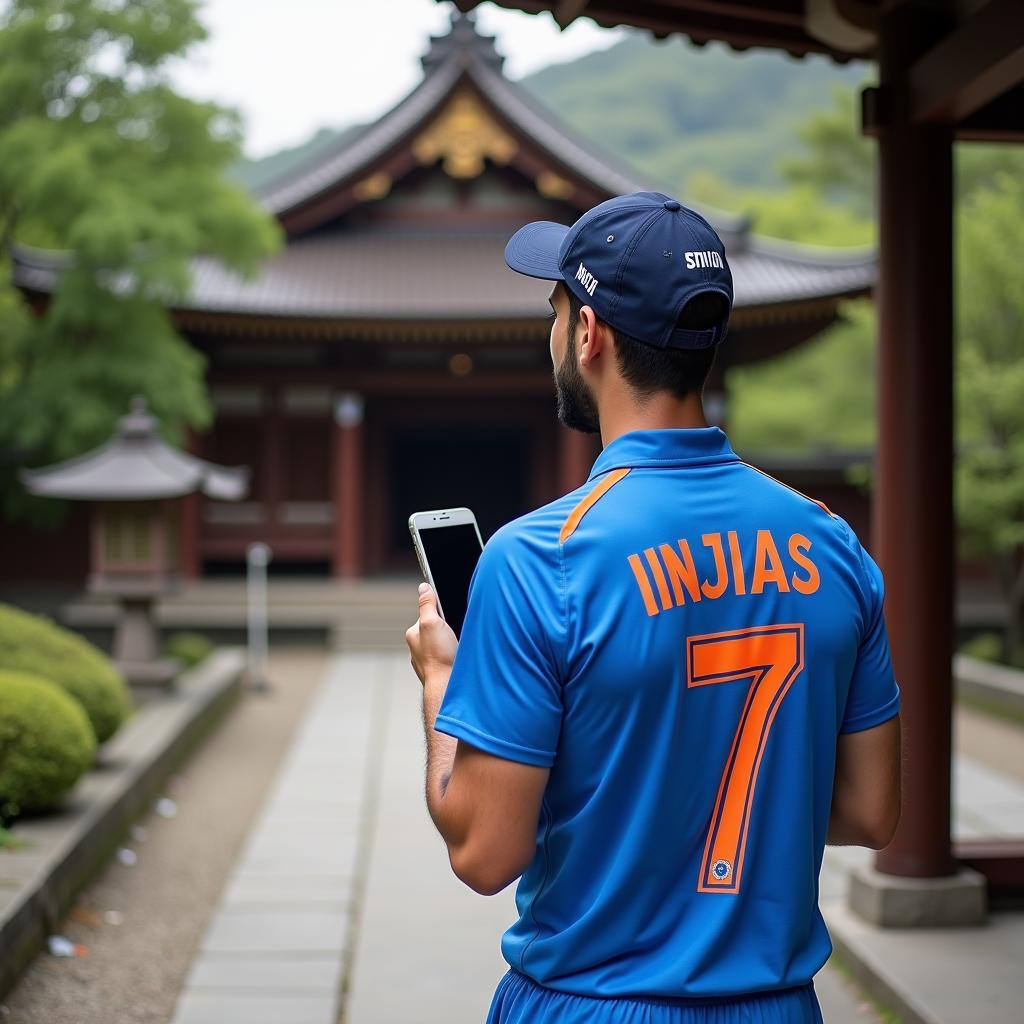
(100, 156)
(838, 162)
(815, 398)
(990, 387)
(798, 214)
(821, 395)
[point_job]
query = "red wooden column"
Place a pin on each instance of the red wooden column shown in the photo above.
(191, 507)
(347, 485)
(273, 495)
(575, 458)
(913, 506)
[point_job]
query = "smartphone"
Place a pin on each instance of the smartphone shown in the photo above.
(448, 544)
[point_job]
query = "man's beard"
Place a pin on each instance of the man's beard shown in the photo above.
(575, 402)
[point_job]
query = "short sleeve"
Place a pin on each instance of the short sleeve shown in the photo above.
(874, 696)
(504, 694)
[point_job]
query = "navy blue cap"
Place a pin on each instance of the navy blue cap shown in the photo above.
(636, 260)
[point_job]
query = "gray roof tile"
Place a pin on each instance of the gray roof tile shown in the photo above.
(449, 274)
(453, 275)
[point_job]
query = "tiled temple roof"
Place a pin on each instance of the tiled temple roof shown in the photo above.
(394, 272)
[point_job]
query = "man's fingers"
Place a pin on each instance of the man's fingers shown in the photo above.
(428, 606)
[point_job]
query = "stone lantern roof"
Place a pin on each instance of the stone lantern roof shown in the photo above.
(136, 464)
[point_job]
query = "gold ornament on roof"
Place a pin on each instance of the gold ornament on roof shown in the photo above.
(553, 186)
(464, 134)
(374, 186)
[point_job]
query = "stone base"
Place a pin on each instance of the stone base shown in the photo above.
(256, 682)
(892, 901)
(159, 672)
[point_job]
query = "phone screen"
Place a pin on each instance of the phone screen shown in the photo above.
(452, 553)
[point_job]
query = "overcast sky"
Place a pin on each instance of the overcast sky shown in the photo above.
(292, 66)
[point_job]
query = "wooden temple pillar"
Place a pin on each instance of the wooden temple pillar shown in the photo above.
(190, 558)
(913, 525)
(575, 458)
(347, 483)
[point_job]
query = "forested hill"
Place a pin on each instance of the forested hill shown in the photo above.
(670, 108)
(673, 108)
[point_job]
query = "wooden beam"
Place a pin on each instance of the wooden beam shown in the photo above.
(1001, 121)
(567, 11)
(972, 66)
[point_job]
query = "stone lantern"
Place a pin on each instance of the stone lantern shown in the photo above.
(135, 482)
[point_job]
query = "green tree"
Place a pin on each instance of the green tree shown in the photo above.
(838, 162)
(827, 383)
(990, 389)
(798, 214)
(820, 395)
(815, 398)
(100, 156)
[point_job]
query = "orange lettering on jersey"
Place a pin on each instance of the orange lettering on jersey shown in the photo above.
(659, 578)
(768, 565)
(681, 571)
(716, 589)
(739, 582)
(797, 545)
(644, 584)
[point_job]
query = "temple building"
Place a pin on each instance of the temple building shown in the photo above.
(387, 361)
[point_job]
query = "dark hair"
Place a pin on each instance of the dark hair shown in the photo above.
(649, 368)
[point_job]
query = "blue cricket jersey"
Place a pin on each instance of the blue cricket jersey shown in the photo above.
(680, 640)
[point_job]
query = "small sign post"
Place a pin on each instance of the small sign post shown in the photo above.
(256, 557)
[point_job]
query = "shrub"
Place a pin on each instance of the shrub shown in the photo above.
(37, 645)
(190, 648)
(46, 742)
(989, 647)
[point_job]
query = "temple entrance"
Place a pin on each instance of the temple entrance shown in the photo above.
(442, 467)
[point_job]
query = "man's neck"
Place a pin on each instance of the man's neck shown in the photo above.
(661, 412)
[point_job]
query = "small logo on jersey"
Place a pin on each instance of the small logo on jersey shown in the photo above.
(721, 869)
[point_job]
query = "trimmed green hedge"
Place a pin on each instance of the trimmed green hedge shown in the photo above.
(37, 645)
(46, 742)
(189, 648)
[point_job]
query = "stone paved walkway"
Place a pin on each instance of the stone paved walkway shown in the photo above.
(343, 907)
(278, 944)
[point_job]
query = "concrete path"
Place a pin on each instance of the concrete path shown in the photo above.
(428, 946)
(277, 948)
(343, 909)
(943, 975)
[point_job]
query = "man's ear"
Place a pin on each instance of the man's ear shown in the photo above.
(592, 335)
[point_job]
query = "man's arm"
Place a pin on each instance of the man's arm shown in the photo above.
(866, 794)
(485, 807)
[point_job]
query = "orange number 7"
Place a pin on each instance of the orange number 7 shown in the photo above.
(771, 657)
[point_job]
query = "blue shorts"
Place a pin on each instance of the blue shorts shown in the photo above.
(520, 1000)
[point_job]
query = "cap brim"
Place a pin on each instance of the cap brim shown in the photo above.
(533, 249)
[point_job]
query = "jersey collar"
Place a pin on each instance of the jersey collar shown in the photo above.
(668, 447)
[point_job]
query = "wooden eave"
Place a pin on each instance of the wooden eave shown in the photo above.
(398, 161)
(970, 79)
(742, 24)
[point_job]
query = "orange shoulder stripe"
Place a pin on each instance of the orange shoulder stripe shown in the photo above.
(569, 527)
(820, 504)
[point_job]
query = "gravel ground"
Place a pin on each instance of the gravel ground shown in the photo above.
(135, 969)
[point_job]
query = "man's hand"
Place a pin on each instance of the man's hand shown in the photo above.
(432, 642)
(486, 808)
